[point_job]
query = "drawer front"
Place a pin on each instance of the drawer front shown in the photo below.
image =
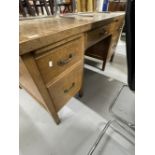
(56, 61)
(118, 23)
(65, 88)
(96, 35)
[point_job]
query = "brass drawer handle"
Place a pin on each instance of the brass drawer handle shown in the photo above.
(63, 62)
(67, 90)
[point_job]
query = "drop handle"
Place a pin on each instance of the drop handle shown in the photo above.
(66, 61)
(72, 86)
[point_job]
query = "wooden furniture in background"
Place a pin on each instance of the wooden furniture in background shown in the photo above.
(52, 55)
(116, 6)
(41, 4)
(22, 10)
(36, 7)
(66, 7)
(25, 8)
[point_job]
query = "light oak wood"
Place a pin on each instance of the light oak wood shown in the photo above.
(113, 45)
(66, 87)
(117, 28)
(40, 51)
(96, 40)
(39, 87)
(56, 61)
(98, 34)
(52, 54)
(39, 33)
(118, 23)
(117, 6)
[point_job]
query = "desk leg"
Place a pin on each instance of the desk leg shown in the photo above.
(82, 84)
(32, 68)
(103, 65)
(108, 43)
(112, 57)
(81, 92)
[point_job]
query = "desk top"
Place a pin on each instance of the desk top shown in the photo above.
(37, 33)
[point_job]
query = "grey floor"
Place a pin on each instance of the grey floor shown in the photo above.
(82, 118)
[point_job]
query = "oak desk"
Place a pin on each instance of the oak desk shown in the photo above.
(52, 54)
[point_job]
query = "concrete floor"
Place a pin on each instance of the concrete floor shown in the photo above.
(80, 125)
(39, 135)
(106, 82)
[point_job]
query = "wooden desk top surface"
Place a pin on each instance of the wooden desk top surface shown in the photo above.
(37, 33)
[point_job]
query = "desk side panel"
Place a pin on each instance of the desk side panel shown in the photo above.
(28, 84)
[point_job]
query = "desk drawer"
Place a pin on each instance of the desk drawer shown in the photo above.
(96, 35)
(118, 23)
(56, 61)
(65, 88)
